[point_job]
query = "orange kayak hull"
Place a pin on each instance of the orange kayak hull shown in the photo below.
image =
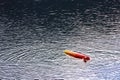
(77, 55)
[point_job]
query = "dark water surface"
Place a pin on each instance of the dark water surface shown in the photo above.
(33, 35)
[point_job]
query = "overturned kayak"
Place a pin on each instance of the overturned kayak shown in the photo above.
(77, 55)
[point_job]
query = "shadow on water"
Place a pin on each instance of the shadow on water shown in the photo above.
(29, 22)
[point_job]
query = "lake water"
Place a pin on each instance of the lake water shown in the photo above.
(33, 35)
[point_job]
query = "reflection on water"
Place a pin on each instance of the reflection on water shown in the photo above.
(34, 35)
